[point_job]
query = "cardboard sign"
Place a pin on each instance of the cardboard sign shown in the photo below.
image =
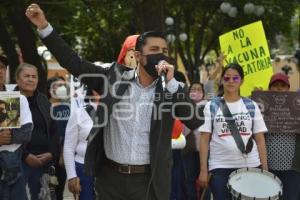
(10, 110)
(281, 110)
(248, 47)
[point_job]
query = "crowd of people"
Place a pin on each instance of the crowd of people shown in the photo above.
(142, 133)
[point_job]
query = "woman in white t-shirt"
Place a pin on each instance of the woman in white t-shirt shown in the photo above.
(224, 156)
(78, 128)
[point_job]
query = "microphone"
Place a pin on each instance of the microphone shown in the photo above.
(163, 80)
(163, 76)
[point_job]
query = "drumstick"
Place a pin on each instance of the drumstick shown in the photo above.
(204, 190)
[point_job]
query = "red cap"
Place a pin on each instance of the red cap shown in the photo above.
(128, 44)
(279, 77)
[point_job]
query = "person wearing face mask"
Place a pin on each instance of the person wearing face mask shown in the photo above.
(57, 94)
(129, 151)
(77, 131)
(190, 153)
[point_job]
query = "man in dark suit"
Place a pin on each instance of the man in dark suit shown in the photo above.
(129, 153)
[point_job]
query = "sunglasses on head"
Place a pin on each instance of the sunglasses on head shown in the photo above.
(234, 78)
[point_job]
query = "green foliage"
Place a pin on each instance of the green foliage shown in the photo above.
(97, 28)
(203, 21)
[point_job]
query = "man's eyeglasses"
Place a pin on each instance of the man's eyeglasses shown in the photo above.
(235, 79)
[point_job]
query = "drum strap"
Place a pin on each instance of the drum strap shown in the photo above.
(234, 130)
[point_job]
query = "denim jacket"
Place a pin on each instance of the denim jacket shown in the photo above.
(11, 162)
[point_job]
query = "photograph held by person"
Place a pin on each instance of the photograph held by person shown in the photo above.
(57, 94)
(284, 149)
(12, 183)
(219, 152)
(78, 129)
(42, 150)
(135, 162)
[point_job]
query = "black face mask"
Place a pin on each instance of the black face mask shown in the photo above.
(3, 117)
(152, 60)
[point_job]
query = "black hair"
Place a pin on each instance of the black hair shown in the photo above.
(220, 90)
(179, 76)
(3, 60)
(52, 80)
(198, 83)
(88, 95)
(141, 40)
(236, 67)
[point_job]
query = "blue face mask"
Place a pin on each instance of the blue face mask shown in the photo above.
(152, 60)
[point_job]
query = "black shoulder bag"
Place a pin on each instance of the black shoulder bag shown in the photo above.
(234, 130)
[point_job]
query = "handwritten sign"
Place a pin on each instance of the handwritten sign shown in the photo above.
(248, 47)
(281, 110)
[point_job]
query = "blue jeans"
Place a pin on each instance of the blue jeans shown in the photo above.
(291, 183)
(177, 184)
(218, 183)
(32, 178)
(16, 191)
(86, 183)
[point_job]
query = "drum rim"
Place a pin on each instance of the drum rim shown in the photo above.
(236, 194)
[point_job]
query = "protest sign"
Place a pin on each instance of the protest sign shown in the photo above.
(281, 110)
(248, 47)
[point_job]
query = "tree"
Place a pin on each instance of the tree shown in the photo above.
(8, 47)
(15, 12)
(204, 23)
(97, 28)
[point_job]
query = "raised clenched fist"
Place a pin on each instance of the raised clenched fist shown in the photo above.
(36, 15)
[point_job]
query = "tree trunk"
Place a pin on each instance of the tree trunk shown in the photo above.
(10, 51)
(26, 40)
(151, 13)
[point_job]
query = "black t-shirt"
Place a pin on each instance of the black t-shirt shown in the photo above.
(39, 139)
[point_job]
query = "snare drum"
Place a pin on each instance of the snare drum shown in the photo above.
(253, 183)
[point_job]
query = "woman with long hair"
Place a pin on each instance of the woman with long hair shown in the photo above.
(190, 153)
(220, 155)
(78, 128)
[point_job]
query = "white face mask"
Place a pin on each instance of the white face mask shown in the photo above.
(61, 92)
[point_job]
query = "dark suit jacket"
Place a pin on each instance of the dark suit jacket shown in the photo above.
(160, 133)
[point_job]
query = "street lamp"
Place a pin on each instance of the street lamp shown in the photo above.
(183, 37)
(169, 21)
(173, 34)
(249, 8)
(171, 38)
